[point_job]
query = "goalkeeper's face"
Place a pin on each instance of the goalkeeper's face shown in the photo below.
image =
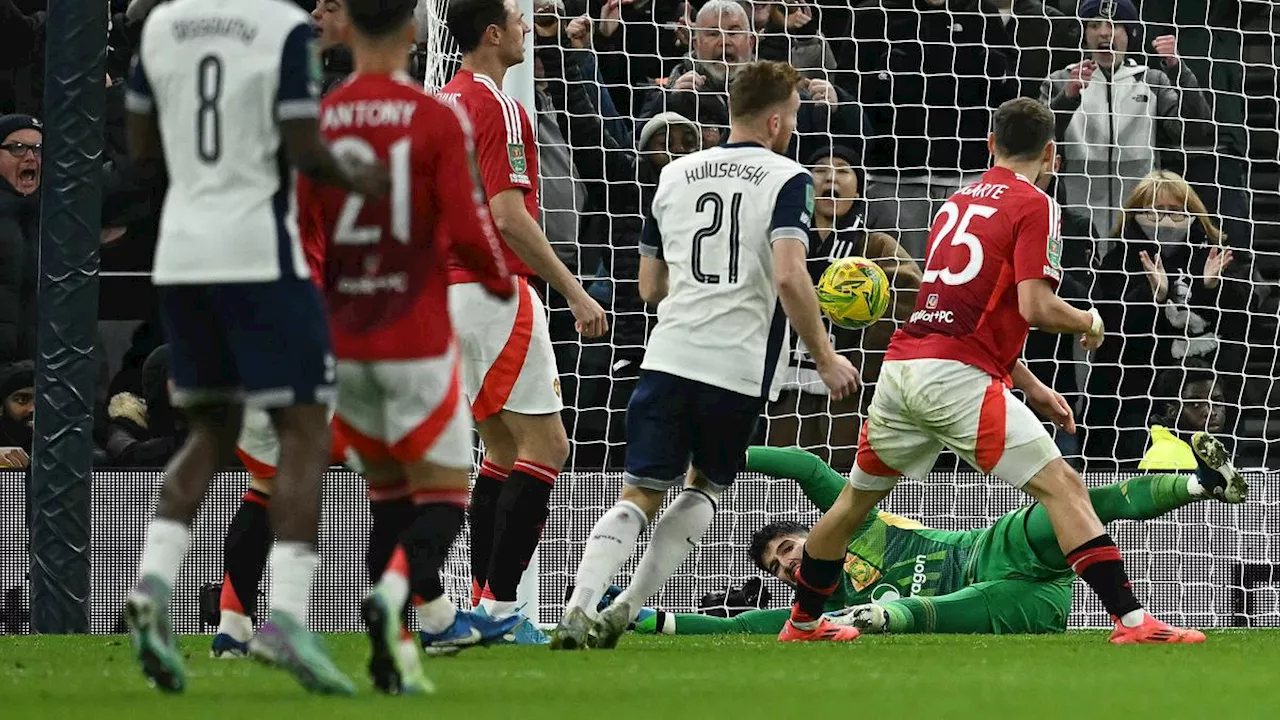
(781, 557)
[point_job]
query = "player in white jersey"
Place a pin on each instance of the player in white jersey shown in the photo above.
(723, 257)
(224, 94)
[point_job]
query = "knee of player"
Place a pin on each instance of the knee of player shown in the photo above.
(548, 447)
(648, 500)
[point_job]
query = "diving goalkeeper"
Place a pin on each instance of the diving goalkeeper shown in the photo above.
(902, 577)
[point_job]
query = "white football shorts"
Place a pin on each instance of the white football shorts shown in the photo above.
(923, 405)
(405, 410)
(507, 360)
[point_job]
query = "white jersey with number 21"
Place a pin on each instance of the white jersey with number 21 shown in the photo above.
(714, 220)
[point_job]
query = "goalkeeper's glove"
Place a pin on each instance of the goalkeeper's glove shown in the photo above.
(655, 622)
(870, 618)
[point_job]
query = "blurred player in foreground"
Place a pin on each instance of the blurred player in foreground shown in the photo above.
(899, 576)
(508, 368)
(400, 403)
(217, 98)
(992, 271)
(249, 535)
(724, 244)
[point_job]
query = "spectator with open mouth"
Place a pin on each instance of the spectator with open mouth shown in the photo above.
(21, 143)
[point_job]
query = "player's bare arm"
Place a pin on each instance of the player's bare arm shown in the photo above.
(653, 280)
(795, 291)
(312, 158)
(1043, 399)
(530, 244)
(1041, 307)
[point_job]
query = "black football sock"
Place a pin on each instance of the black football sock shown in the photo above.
(484, 505)
(522, 512)
(816, 581)
(245, 551)
(1099, 564)
(392, 511)
(428, 538)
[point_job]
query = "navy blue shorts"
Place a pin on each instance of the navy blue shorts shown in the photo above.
(673, 421)
(262, 344)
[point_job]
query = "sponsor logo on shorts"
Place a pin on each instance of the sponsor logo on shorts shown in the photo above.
(931, 302)
(932, 316)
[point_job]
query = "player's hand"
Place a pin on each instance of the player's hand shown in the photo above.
(1166, 46)
(369, 180)
(1052, 406)
(1079, 77)
(1214, 265)
(588, 317)
(839, 375)
(689, 81)
(1156, 276)
(14, 458)
(1092, 339)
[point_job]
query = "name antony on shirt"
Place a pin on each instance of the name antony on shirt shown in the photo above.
(368, 113)
(753, 174)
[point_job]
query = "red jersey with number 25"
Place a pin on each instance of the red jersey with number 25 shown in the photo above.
(986, 239)
(506, 150)
(385, 269)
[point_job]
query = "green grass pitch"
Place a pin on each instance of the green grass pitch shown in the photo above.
(1077, 675)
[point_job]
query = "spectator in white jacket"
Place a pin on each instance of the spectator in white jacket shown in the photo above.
(1115, 114)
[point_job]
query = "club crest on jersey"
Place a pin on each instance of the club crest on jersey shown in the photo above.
(515, 155)
(861, 573)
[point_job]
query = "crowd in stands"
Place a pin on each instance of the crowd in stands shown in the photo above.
(896, 104)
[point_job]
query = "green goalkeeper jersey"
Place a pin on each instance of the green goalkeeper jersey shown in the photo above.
(892, 557)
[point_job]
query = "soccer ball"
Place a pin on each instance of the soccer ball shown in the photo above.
(853, 292)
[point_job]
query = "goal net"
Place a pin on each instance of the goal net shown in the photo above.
(903, 91)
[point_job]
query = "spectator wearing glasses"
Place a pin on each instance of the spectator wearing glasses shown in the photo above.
(1174, 291)
(21, 138)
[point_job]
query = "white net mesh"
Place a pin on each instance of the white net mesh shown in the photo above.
(904, 89)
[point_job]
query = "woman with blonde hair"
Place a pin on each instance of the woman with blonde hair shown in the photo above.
(1167, 299)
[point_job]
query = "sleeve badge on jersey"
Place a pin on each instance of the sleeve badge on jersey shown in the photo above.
(861, 573)
(515, 155)
(1054, 251)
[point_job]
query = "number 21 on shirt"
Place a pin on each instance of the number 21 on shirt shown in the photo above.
(347, 232)
(954, 232)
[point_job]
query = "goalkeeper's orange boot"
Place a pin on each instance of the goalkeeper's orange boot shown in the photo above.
(1153, 631)
(825, 631)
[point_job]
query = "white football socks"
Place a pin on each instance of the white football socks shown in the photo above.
(612, 540)
(436, 616)
(167, 542)
(498, 608)
(293, 570)
(677, 533)
(238, 626)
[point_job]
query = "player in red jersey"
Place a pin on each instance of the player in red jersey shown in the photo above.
(400, 405)
(509, 370)
(992, 272)
(249, 536)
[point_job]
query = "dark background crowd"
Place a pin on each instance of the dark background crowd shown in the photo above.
(1167, 175)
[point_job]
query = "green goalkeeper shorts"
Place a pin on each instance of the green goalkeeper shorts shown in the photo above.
(1023, 594)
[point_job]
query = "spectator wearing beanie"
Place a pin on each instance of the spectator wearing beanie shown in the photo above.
(1114, 113)
(21, 141)
(17, 396)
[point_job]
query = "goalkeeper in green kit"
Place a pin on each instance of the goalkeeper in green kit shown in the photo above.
(902, 577)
